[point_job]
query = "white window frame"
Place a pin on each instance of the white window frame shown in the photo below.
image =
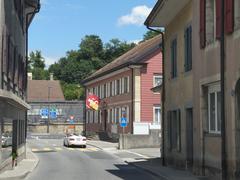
(210, 41)
(159, 120)
(154, 79)
(236, 14)
(122, 85)
(213, 89)
(100, 118)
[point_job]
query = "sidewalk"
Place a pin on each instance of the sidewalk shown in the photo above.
(25, 167)
(147, 159)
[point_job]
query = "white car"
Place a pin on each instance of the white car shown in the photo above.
(75, 140)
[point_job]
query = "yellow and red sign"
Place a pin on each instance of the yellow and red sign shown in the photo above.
(92, 102)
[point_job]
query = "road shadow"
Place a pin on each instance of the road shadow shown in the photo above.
(129, 172)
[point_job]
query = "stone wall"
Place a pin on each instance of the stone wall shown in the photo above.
(59, 128)
(131, 141)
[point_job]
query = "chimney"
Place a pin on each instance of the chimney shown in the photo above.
(51, 77)
(29, 76)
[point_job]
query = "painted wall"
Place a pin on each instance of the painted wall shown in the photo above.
(179, 91)
(148, 98)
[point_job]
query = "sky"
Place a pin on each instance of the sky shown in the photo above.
(61, 24)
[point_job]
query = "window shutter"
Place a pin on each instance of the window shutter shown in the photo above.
(128, 84)
(186, 49)
(229, 15)
(179, 130)
(169, 130)
(202, 23)
(218, 19)
(190, 48)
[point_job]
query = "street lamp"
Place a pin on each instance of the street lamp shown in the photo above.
(49, 88)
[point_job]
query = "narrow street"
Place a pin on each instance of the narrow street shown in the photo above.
(59, 162)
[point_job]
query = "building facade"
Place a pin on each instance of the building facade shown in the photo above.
(124, 88)
(15, 18)
(49, 111)
(204, 16)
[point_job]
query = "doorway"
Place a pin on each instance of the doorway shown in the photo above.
(189, 137)
(105, 119)
(237, 126)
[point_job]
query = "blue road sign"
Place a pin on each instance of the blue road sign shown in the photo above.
(123, 122)
(44, 113)
(53, 114)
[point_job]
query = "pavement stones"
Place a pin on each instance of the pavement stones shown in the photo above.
(24, 167)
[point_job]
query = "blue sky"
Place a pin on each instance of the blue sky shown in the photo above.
(61, 24)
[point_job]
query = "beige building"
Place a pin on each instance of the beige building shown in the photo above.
(200, 87)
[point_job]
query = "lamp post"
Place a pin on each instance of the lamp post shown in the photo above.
(49, 88)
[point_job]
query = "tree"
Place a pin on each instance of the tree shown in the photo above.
(115, 48)
(72, 91)
(36, 60)
(36, 65)
(91, 46)
(149, 35)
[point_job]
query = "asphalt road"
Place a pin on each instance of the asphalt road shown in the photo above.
(61, 163)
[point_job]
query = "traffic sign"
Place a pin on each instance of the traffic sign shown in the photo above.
(44, 113)
(123, 122)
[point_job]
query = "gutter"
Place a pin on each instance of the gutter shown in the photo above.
(111, 70)
(162, 94)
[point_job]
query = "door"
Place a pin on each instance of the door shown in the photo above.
(105, 120)
(237, 126)
(189, 137)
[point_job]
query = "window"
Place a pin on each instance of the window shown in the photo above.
(104, 90)
(117, 114)
(157, 80)
(118, 87)
(174, 130)
(174, 58)
(99, 91)
(156, 114)
(125, 82)
(188, 48)
(214, 109)
(111, 89)
(236, 14)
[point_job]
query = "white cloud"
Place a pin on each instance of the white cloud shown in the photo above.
(136, 41)
(137, 16)
(50, 60)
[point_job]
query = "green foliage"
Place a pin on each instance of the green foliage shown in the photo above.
(40, 74)
(72, 91)
(79, 64)
(149, 35)
(36, 65)
(36, 60)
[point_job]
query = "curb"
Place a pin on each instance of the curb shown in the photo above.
(25, 173)
(147, 170)
(94, 146)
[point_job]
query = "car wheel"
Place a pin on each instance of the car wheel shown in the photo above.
(84, 146)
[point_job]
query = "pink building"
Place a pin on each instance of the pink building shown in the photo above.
(124, 87)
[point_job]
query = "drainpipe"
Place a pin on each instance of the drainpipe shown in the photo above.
(162, 96)
(222, 72)
(132, 101)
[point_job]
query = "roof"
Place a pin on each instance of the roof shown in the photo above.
(39, 90)
(134, 56)
(152, 13)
